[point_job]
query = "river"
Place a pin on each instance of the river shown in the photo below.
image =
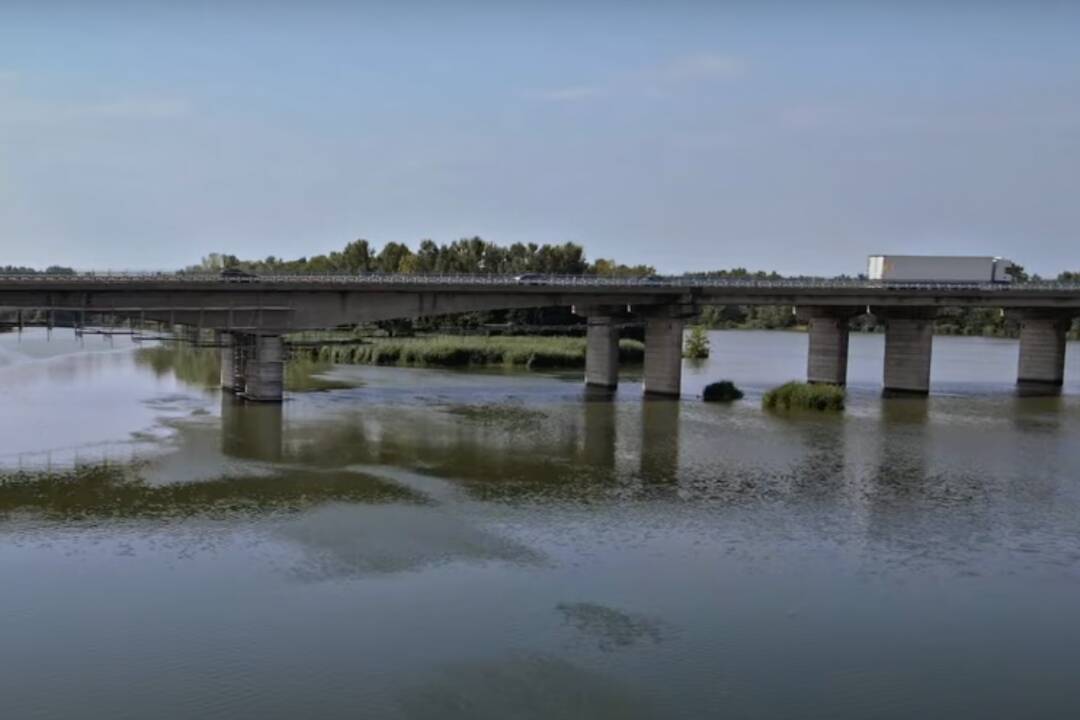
(406, 543)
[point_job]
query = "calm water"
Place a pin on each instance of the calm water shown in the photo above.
(421, 544)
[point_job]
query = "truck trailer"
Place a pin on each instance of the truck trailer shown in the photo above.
(939, 268)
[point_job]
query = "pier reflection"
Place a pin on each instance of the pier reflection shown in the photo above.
(600, 433)
(251, 431)
(659, 441)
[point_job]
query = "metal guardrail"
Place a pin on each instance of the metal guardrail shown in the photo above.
(555, 281)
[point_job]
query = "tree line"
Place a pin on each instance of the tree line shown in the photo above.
(466, 256)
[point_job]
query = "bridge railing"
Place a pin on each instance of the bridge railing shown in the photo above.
(674, 283)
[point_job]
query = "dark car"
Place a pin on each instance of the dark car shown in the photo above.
(529, 279)
(234, 274)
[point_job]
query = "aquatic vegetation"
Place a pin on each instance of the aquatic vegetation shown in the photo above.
(462, 351)
(808, 396)
(503, 414)
(723, 391)
(111, 490)
(610, 628)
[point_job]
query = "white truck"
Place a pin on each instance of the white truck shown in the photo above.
(939, 268)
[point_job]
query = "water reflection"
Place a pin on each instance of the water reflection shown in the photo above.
(659, 441)
(600, 434)
(251, 431)
(339, 541)
(821, 470)
(1040, 412)
(902, 444)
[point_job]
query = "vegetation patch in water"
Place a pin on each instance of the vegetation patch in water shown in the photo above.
(114, 491)
(463, 351)
(806, 396)
(497, 414)
(723, 391)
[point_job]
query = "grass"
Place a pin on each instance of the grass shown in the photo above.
(807, 396)
(723, 391)
(461, 351)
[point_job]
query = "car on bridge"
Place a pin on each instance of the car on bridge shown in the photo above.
(530, 279)
(235, 274)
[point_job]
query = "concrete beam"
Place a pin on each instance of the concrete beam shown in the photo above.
(827, 351)
(1042, 348)
(909, 341)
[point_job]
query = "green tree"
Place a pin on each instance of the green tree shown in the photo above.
(697, 344)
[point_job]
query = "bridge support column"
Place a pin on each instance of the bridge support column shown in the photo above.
(827, 351)
(601, 345)
(229, 361)
(602, 353)
(663, 355)
(264, 368)
(1042, 348)
(909, 341)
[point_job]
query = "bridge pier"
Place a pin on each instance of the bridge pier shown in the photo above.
(909, 342)
(663, 353)
(264, 369)
(827, 351)
(601, 345)
(602, 352)
(1042, 348)
(253, 366)
(229, 365)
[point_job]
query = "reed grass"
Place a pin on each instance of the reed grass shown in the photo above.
(532, 352)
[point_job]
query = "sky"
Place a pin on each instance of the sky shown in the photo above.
(798, 137)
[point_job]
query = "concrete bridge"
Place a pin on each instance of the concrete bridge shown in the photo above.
(252, 313)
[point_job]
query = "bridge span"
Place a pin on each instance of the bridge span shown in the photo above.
(252, 313)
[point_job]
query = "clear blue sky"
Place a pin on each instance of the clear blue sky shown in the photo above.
(689, 135)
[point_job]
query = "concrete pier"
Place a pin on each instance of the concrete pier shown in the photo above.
(264, 368)
(601, 344)
(827, 353)
(909, 340)
(602, 352)
(663, 355)
(229, 361)
(1042, 348)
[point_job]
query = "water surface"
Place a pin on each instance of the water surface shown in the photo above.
(406, 543)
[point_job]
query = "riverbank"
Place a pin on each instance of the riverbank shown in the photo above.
(531, 352)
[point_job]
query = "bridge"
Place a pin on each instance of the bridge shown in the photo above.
(252, 313)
